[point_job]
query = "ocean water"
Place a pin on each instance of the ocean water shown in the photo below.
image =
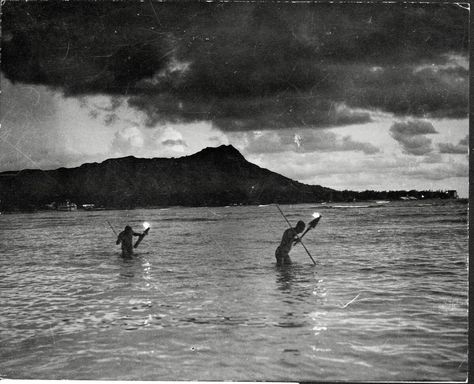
(203, 299)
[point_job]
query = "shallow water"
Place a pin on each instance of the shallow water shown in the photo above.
(203, 300)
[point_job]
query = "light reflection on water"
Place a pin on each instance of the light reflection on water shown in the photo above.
(203, 299)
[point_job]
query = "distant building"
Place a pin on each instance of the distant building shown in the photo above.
(452, 194)
(66, 206)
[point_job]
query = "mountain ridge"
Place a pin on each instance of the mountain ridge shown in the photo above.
(214, 176)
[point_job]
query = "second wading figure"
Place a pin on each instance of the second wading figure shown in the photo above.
(289, 238)
(126, 238)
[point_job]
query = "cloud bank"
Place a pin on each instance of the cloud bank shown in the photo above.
(246, 66)
(304, 141)
(411, 136)
(461, 148)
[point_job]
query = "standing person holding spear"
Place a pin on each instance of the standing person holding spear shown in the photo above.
(126, 239)
(291, 237)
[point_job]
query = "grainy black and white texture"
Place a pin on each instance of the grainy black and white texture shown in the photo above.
(291, 84)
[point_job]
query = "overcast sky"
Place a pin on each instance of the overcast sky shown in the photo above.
(348, 96)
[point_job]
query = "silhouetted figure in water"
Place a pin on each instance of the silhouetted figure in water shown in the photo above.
(126, 238)
(290, 238)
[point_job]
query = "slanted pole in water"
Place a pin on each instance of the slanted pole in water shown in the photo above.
(110, 225)
(289, 224)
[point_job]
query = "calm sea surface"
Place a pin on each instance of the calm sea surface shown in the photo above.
(203, 299)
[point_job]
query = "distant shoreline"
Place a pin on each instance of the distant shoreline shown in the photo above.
(321, 205)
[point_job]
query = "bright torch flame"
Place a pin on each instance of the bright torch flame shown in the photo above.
(316, 215)
(146, 225)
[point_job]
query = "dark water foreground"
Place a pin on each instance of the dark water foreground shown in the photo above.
(203, 299)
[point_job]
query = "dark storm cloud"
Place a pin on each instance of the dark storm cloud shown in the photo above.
(460, 148)
(411, 136)
(404, 90)
(246, 66)
(239, 114)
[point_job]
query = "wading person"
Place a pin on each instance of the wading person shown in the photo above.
(290, 237)
(126, 238)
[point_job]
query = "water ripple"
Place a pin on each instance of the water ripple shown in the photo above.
(203, 300)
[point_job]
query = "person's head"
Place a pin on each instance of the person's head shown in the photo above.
(128, 228)
(300, 225)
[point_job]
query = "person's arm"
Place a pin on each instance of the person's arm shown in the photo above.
(137, 234)
(119, 238)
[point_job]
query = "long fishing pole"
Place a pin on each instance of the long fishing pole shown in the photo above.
(289, 224)
(112, 228)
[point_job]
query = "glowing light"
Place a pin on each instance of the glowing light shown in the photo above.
(297, 140)
(316, 215)
(146, 225)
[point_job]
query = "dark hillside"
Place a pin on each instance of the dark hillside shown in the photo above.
(213, 176)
